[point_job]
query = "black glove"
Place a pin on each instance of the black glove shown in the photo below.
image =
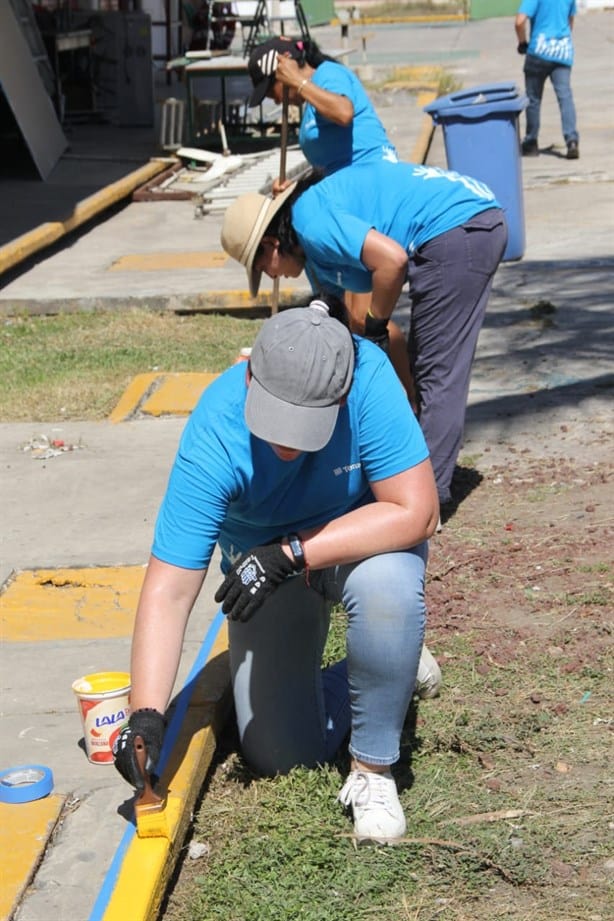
(522, 47)
(377, 331)
(252, 580)
(150, 725)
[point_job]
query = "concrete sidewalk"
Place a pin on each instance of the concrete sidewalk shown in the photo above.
(542, 383)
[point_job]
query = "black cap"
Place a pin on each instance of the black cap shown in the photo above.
(262, 65)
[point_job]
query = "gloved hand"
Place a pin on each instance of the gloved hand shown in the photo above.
(150, 725)
(252, 580)
(377, 331)
(522, 47)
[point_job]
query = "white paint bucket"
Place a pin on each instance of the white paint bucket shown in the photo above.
(103, 700)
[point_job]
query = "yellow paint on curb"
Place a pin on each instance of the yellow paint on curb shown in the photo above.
(427, 127)
(178, 394)
(149, 863)
(45, 234)
(70, 604)
(25, 829)
(135, 392)
(162, 394)
(157, 262)
(132, 396)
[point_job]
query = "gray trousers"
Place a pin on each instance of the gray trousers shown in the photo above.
(450, 278)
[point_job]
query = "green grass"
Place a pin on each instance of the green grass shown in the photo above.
(76, 366)
(518, 741)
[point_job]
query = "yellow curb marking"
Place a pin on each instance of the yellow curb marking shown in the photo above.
(178, 394)
(46, 234)
(67, 604)
(426, 130)
(149, 863)
(25, 829)
(156, 262)
(161, 393)
(132, 396)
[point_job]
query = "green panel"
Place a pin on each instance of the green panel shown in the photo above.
(488, 9)
(318, 12)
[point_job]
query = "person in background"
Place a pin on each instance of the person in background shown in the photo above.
(549, 55)
(339, 126)
(308, 469)
(371, 227)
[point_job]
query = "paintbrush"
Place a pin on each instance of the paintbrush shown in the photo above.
(149, 808)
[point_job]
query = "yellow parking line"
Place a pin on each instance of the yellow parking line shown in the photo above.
(157, 262)
(25, 829)
(69, 604)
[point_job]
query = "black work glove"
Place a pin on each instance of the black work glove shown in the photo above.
(150, 726)
(522, 47)
(377, 331)
(252, 580)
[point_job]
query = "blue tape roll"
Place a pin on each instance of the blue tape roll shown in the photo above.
(25, 783)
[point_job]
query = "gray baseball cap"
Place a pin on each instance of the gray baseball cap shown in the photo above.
(301, 365)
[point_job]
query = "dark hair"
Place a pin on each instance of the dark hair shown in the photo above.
(281, 225)
(312, 53)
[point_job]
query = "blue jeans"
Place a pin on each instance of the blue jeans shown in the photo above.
(536, 72)
(291, 712)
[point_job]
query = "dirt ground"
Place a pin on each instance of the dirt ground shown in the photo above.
(521, 586)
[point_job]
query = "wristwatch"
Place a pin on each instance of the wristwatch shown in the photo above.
(298, 552)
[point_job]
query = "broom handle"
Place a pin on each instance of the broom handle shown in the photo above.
(282, 176)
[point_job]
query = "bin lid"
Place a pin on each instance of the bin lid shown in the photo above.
(477, 101)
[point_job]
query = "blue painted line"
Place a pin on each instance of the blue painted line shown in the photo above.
(183, 701)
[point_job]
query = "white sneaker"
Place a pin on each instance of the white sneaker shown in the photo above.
(428, 680)
(378, 815)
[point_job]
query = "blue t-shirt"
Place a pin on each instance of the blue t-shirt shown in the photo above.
(412, 204)
(228, 486)
(329, 146)
(550, 29)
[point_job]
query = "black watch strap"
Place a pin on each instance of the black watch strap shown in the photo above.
(298, 552)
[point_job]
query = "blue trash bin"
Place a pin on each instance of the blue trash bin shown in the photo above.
(482, 139)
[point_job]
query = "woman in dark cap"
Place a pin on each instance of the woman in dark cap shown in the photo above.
(339, 124)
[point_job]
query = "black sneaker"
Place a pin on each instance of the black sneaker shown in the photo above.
(530, 149)
(573, 151)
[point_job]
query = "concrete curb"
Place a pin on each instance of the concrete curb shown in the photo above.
(137, 880)
(226, 301)
(46, 234)
(230, 301)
